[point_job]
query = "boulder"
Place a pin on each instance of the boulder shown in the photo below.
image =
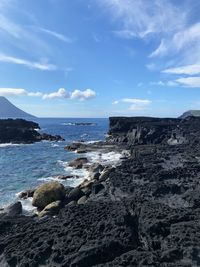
(48, 193)
(96, 188)
(87, 191)
(96, 167)
(78, 163)
(13, 210)
(75, 194)
(82, 200)
(95, 176)
(72, 203)
(51, 209)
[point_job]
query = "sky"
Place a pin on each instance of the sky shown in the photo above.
(100, 58)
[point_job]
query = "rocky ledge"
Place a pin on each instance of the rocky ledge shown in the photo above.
(22, 131)
(144, 212)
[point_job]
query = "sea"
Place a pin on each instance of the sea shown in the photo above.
(25, 166)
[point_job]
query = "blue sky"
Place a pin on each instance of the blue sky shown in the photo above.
(100, 58)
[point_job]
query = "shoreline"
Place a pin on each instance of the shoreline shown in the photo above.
(143, 212)
(104, 156)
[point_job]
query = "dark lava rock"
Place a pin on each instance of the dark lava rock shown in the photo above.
(22, 131)
(97, 187)
(12, 210)
(78, 163)
(109, 229)
(26, 194)
(75, 194)
(146, 130)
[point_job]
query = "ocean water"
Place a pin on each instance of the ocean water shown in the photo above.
(27, 166)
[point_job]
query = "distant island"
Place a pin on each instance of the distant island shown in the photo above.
(8, 110)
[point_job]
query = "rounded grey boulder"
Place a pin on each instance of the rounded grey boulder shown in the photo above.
(48, 193)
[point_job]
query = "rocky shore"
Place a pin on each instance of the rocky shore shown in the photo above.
(143, 212)
(23, 132)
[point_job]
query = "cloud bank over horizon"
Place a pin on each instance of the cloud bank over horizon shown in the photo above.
(60, 94)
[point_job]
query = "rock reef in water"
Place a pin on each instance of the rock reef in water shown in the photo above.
(145, 212)
(22, 131)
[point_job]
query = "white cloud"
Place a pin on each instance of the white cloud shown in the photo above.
(164, 83)
(18, 92)
(189, 70)
(83, 95)
(35, 94)
(12, 92)
(189, 81)
(136, 103)
(27, 63)
(61, 93)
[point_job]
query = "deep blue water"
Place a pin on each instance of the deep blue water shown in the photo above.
(26, 166)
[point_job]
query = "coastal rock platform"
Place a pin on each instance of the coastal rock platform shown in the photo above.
(144, 212)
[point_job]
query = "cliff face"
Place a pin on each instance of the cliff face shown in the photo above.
(22, 131)
(146, 130)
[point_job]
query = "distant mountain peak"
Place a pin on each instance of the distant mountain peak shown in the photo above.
(8, 110)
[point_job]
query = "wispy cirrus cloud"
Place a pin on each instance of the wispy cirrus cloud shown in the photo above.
(169, 24)
(17, 36)
(57, 35)
(30, 64)
(140, 18)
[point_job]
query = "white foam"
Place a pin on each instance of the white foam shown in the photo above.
(49, 178)
(109, 158)
(9, 144)
(27, 206)
(54, 145)
(92, 142)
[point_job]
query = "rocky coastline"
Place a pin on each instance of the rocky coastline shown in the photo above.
(144, 211)
(20, 131)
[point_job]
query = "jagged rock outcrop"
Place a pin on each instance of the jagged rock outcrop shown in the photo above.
(146, 130)
(22, 131)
